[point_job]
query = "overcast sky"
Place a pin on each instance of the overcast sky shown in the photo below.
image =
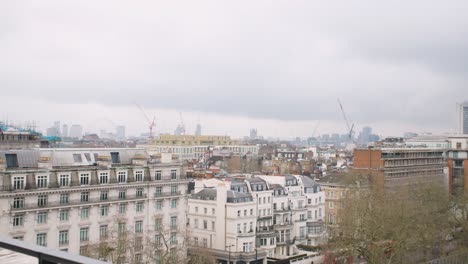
(278, 66)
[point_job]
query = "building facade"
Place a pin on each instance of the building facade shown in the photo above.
(277, 213)
(392, 167)
(457, 161)
(189, 147)
(73, 199)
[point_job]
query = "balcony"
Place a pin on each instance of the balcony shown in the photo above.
(265, 231)
(77, 203)
(286, 241)
(167, 194)
(246, 234)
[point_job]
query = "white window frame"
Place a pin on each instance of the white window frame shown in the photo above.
(139, 173)
(65, 178)
(119, 177)
(20, 179)
(104, 177)
(84, 175)
(42, 181)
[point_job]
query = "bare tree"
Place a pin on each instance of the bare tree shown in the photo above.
(394, 226)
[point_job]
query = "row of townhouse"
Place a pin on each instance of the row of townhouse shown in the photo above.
(251, 219)
(73, 199)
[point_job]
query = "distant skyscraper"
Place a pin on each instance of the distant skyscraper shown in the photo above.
(120, 132)
(463, 118)
(65, 130)
(52, 132)
(198, 130)
(76, 131)
(253, 133)
(57, 127)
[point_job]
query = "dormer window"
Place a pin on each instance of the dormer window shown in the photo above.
(11, 160)
(115, 157)
(122, 176)
(18, 182)
(77, 158)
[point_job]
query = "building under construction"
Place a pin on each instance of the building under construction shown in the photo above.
(391, 167)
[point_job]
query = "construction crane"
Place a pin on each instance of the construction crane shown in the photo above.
(182, 125)
(151, 122)
(350, 128)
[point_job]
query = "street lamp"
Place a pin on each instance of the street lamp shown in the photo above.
(229, 256)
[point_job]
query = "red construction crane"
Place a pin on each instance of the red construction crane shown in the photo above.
(350, 128)
(151, 122)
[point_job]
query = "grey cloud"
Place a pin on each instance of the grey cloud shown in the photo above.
(285, 60)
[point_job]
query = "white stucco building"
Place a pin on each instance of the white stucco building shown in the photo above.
(70, 199)
(275, 213)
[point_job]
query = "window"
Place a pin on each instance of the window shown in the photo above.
(18, 202)
(247, 247)
(42, 181)
(11, 160)
(138, 244)
(103, 178)
(158, 175)
(173, 222)
(139, 227)
(245, 212)
(84, 213)
(195, 240)
(88, 157)
(173, 238)
(158, 205)
(157, 240)
(213, 211)
(139, 192)
(212, 225)
(173, 174)
(41, 239)
(251, 211)
(64, 180)
(158, 191)
(330, 205)
(239, 228)
(18, 182)
(115, 157)
(77, 158)
(104, 210)
(122, 194)
(122, 229)
(173, 190)
(104, 196)
(102, 232)
(84, 196)
(83, 250)
(122, 208)
(42, 200)
(205, 243)
(122, 176)
(205, 210)
(174, 203)
(196, 209)
(139, 207)
(84, 234)
(63, 237)
(42, 217)
(195, 223)
(64, 198)
(84, 179)
(205, 224)
(139, 176)
(18, 220)
(238, 213)
(157, 223)
(63, 215)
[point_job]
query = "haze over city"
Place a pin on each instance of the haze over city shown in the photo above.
(279, 68)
